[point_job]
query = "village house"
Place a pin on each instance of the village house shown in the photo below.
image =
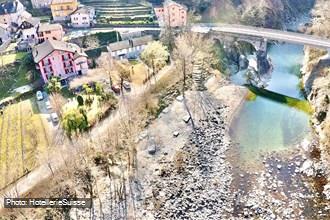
(28, 34)
(59, 59)
(4, 34)
(129, 49)
(41, 3)
(13, 13)
(50, 31)
(171, 14)
(62, 9)
(29, 30)
(83, 17)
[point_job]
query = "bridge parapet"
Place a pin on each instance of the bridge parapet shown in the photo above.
(259, 43)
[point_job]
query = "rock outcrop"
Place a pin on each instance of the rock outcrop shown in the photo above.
(263, 13)
(316, 79)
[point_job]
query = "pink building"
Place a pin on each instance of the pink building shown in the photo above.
(50, 31)
(60, 59)
(172, 14)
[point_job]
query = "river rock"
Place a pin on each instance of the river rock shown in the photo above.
(326, 191)
(176, 134)
(152, 149)
(186, 118)
(307, 168)
(179, 98)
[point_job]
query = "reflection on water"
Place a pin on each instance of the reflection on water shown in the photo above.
(264, 125)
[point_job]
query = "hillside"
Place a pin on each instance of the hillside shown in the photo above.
(316, 77)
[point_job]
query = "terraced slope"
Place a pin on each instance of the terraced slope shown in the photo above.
(117, 12)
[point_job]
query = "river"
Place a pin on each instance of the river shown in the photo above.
(264, 125)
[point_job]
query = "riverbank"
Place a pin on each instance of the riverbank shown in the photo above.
(188, 175)
(316, 78)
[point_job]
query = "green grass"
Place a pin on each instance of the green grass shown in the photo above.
(106, 38)
(17, 74)
(95, 53)
(66, 93)
(301, 105)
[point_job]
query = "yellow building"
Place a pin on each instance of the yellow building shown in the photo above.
(62, 9)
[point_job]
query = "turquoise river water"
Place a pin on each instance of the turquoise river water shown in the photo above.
(264, 125)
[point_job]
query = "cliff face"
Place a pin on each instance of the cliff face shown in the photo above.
(316, 78)
(263, 13)
(273, 13)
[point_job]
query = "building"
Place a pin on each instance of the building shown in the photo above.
(4, 34)
(129, 49)
(62, 9)
(50, 31)
(172, 14)
(13, 13)
(83, 17)
(29, 29)
(41, 3)
(59, 59)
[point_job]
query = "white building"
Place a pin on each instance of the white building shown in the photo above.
(13, 13)
(4, 34)
(29, 29)
(129, 49)
(41, 3)
(28, 34)
(83, 17)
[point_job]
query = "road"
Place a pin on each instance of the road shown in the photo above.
(269, 34)
(57, 160)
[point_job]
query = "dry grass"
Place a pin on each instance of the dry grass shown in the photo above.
(23, 139)
(139, 74)
(93, 75)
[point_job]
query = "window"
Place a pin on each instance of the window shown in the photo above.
(48, 32)
(84, 18)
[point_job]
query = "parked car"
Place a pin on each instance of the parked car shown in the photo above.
(116, 89)
(127, 86)
(54, 117)
(48, 105)
(39, 95)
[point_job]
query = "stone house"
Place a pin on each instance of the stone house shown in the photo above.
(59, 59)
